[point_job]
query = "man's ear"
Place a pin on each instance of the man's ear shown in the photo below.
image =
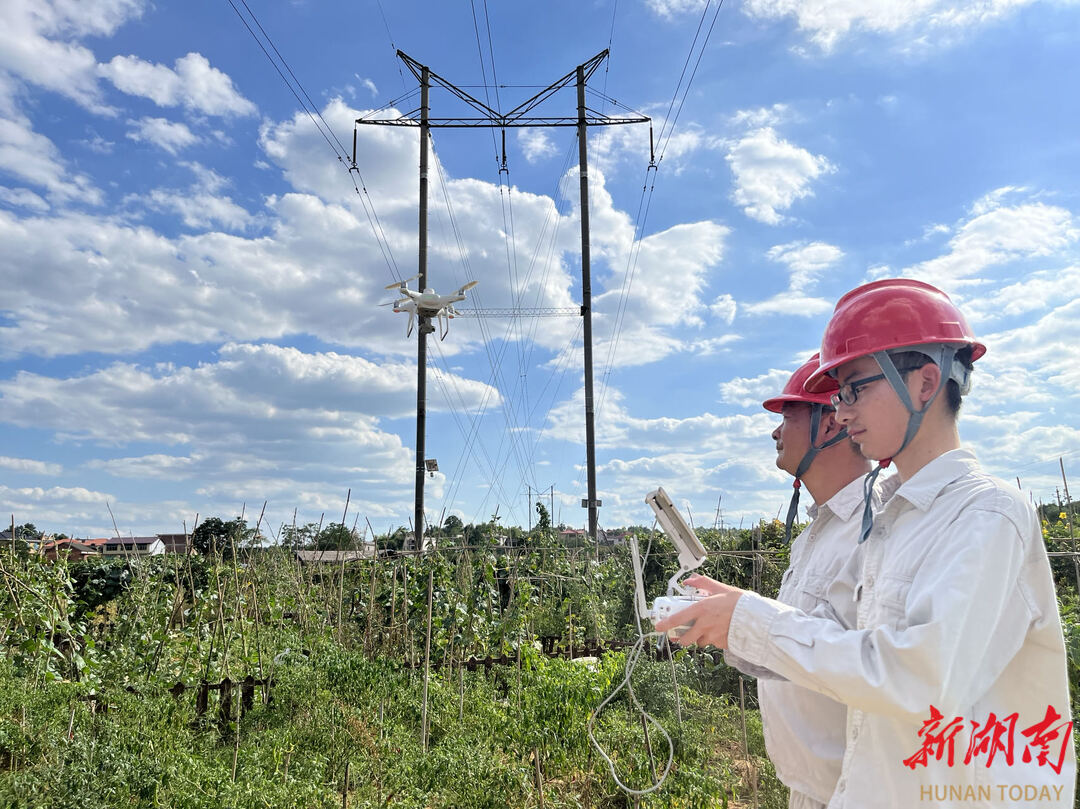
(922, 382)
(828, 426)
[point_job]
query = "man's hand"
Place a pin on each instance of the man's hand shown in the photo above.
(709, 618)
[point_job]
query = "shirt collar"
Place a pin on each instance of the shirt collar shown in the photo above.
(922, 488)
(844, 503)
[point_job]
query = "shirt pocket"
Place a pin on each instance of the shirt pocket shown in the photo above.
(811, 592)
(889, 603)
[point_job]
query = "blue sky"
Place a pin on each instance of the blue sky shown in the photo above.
(189, 279)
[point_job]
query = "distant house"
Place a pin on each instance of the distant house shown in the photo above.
(573, 534)
(33, 543)
(616, 536)
(127, 546)
(73, 548)
(335, 557)
(174, 543)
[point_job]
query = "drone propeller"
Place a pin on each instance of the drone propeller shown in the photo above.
(468, 286)
(401, 284)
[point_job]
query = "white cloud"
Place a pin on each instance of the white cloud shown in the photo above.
(536, 144)
(30, 466)
(368, 85)
(82, 512)
(191, 82)
(169, 135)
(997, 234)
(260, 421)
(1038, 291)
(23, 198)
(806, 261)
(672, 269)
(826, 22)
(790, 303)
(695, 457)
(752, 391)
(39, 43)
(761, 116)
(156, 466)
(33, 158)
(675, 8)
(724, 308)
(771, 174)
(98, 144)
(200, 206)
(198, 209)
(231, 401)
(622, 431)
(711, 346)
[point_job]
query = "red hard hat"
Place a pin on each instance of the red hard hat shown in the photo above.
(795, 392)
(887, 314)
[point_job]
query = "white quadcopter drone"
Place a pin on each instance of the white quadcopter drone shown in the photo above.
(691, 556)
(427, 304)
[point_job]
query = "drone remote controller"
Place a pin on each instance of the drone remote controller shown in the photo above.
(678, 598)
(691, 555)
(665, 606)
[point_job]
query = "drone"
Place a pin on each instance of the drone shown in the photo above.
(427, 304)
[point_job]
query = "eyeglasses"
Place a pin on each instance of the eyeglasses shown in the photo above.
(849, 393)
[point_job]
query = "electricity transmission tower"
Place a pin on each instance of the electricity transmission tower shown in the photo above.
(519, 116)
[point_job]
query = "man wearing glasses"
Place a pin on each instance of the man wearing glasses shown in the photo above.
(954, 673)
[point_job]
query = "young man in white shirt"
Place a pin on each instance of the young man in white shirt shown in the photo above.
(804, 730)
(954, 673)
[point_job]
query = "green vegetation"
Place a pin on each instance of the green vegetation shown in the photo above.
(89, 716)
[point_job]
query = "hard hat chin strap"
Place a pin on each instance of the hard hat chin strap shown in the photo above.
(943, 355)
(816, 409)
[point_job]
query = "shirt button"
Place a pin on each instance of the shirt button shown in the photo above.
(840, 786)
(869, 581)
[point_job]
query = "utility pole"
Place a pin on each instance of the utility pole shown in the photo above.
(592, 504)
(517, 117)
(423, 322)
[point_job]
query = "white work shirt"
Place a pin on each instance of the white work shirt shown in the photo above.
(956, 609)
(804, 730)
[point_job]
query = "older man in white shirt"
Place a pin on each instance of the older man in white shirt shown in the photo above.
(954, 673)
(804, 730)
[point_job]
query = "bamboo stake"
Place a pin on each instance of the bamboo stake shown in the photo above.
(1068, 513)
(539, 779)
(405, 611)
(239, 614)
(345, 787)
(393, 607)
(648, 746)
(368, 647)
(236, 742)
(427, 661)
(745, 742)
(341, 588)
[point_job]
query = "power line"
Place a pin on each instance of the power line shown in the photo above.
(340, 155)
